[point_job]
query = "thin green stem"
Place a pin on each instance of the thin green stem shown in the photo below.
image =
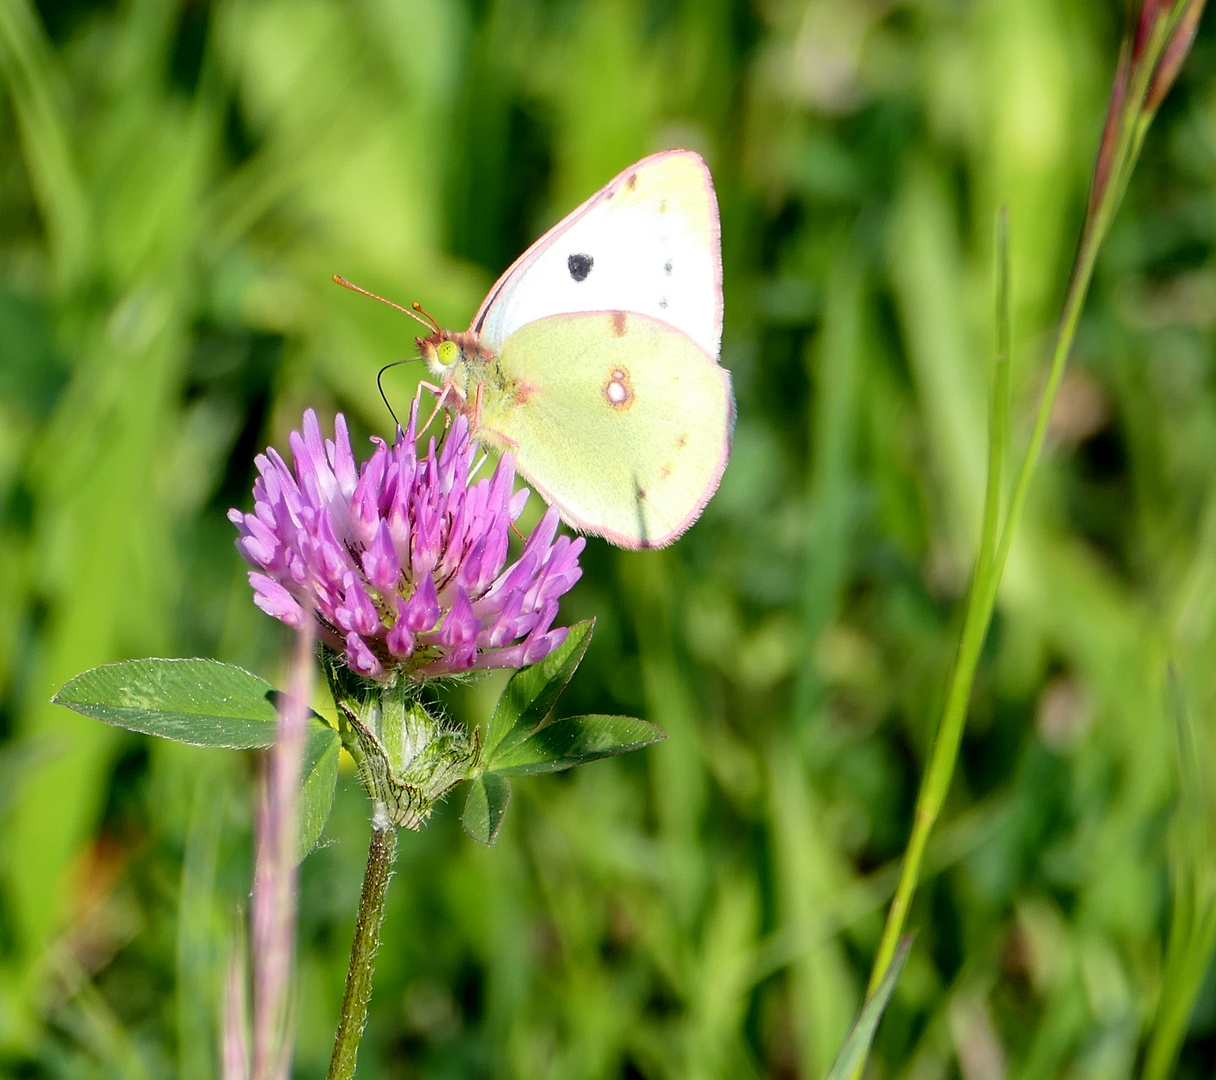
(1192, 934)
(989, 563)
(1073, 303)
(380, 857)
(1133, 122)
(980, 602)
(1192, 938)
(998, 409)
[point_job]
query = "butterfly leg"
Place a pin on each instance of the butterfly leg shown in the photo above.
(441, 394)
(424, 385)
(444, 396)
(478, 467)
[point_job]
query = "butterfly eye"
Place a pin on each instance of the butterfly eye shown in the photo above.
(448, 353)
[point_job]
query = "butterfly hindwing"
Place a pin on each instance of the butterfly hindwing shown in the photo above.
(620, 420)
(647, 242)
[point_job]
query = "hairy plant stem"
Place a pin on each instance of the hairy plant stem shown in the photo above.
(380, 857)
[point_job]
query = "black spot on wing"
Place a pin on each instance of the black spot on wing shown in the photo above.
(667, 268)
(579, 265)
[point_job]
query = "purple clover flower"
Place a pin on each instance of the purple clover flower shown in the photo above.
(403, 560)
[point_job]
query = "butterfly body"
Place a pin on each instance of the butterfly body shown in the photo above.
(594, 358)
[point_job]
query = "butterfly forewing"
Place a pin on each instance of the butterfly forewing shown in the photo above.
(620, 420)
(648, 242)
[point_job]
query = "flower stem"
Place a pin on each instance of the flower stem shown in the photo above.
(380, 856)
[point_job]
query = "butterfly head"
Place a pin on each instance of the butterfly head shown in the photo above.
(441, 356)
(448, 354)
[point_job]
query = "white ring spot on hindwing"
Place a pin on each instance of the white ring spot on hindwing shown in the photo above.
(618, 390)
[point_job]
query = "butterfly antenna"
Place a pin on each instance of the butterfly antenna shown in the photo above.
(380, 385)
(428, 322)
(426, 315)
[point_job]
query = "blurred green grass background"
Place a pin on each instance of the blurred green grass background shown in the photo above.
(178, 181)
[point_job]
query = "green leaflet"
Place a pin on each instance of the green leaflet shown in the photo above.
(485, 806)
(521, 742)
(200, 702)
(563, 743)
(532, 692)
(207, 703)
(320, 772)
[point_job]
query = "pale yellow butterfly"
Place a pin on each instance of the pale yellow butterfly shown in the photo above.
(593, 360)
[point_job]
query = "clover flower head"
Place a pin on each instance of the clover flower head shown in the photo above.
(403, 560)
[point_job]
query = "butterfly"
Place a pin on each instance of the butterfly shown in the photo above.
(594, 358)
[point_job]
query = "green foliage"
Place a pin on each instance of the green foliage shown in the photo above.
(861, 1034)
(560, 744)
(177, 184)
(523, 740)
(531, 694)
(198, 702)
(320, 769)
(485, 806)
(1192, 933)
(207, 703)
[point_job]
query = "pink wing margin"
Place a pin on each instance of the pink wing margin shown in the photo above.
(627, 542)
(549, 496)
(610, 188)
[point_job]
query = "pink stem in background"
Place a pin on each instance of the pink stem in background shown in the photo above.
(1149, 14)
(1149, 63)
(273, 910)
(1175, 53)
(274, 876)
(234, 1048)
(1112, 133)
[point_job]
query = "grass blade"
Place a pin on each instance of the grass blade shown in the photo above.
(861, 1035)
